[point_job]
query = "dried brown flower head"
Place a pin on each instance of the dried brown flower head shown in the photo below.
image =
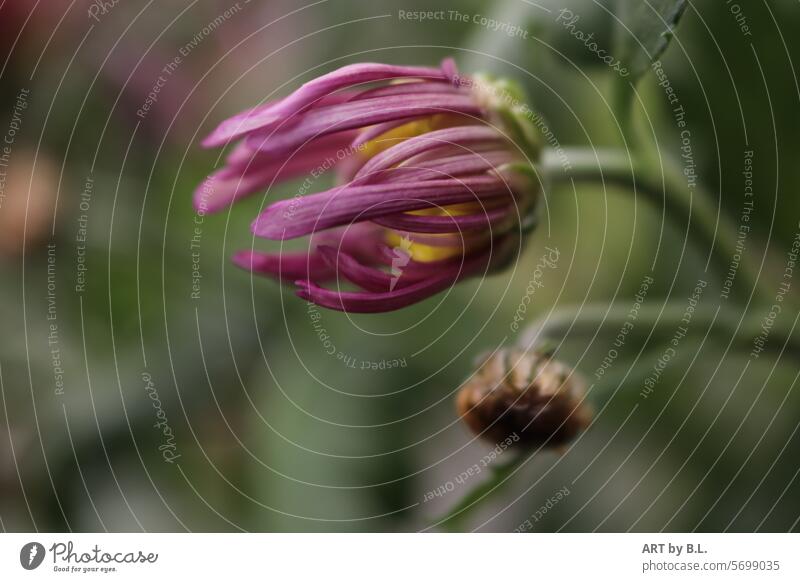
(526, 393)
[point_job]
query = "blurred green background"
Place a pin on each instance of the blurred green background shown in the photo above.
(270, 432)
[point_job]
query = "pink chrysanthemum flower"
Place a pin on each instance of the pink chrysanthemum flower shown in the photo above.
(436, 182)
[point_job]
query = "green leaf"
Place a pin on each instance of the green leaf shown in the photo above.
(644, 30)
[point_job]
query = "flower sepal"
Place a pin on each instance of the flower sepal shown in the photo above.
(507, 104)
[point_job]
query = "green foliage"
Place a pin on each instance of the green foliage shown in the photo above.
(643, 32)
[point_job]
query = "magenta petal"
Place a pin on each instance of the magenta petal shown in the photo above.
(286, 267)
(371, 278)
(400, 297)
(261, 117)
(450, 70)
(415, 88)
(356, 114)
(239, 124)
(221, 188)
(461, 136)
(310, 93)
(362, 240)
(355, 302)
(368, 278)
(349, 76)
(249, 171)
(452, 166)
(292, 218)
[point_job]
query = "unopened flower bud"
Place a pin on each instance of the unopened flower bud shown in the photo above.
(438, 182)
(527, 394)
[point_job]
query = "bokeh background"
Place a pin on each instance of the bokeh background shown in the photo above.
(100, 249)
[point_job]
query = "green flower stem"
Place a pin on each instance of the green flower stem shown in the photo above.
(665, 186)
(500, 476)
(728, 325)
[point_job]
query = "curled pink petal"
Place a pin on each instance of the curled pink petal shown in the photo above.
(368, 278)
(400, 297)
(248, 171)
(461, 136)
(310, 93)
(324, 120)
(411, 88)
(357, 302)
(450, 70)
(449, 167)
(286, 267)
(292, 218)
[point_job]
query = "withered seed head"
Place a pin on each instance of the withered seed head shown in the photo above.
(526, 393)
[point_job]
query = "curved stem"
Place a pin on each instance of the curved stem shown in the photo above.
(663, 185)
(726, 325)
(455, 519)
